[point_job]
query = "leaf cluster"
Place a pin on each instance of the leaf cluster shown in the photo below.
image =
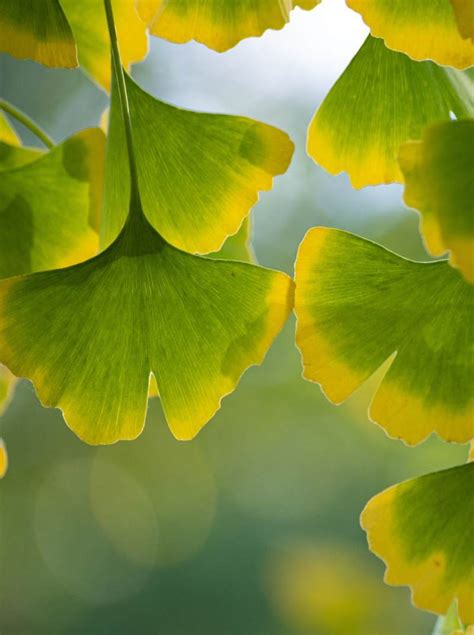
(124, 257)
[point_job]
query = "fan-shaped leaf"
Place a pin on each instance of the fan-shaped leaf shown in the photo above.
(38, 31)
(87, 19)
(423, 29)
(219, 24)
(89, 336)
(464, 12)
(422, 530)
(227, 160)
(382, 99)
(49, 207)
(358, 304)
(439, 177)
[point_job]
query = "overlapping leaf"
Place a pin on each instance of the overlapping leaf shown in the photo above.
(464, 12)
(422, 530)
(423, 29)
(381, 100)
(358, 304)
(90, 335)
(199, 173)
(38, 31)
(49, 206)
(219, 24)
(13, 155)
(439, 177)
(87, 20)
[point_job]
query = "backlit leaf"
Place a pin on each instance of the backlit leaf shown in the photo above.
(37, 30)
(219, 24)
(227, 160)
(87, 20)
(14, 156)
(423, 29)
(358, 305)
(49, 207)
(439, 177)
(236, 247)
(382, 99)
(464, 12)
(422, 530)
(90, 335)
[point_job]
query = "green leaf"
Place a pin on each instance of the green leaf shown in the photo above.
(87, 20)
(439, 177)
(49, 207)
(89, 336)
(423, 29)
(464, 12)
(14, 156)
(38, 31)
(382, 99)
(219, 24)
(422, 530)
(199, 173)
(358, 305)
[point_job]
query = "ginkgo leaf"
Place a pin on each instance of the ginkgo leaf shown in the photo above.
(464, 13)
(14, 156)
(3, 459)
(49, 207)
(38, 31)
(219, 24)
(199, 173)
(90, 335)
(7, 132)
(236, 247)
(439, 178)
(7, 384)
(87, 20)
(382, 99)
(423, 29)
(358, 305)
(422, 530)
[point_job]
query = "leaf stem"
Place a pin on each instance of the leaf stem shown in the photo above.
(20, 116)
(122, 91)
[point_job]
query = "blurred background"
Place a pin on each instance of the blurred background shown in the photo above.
(251, 529)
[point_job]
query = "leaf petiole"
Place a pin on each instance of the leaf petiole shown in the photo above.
(20, 116)
(123, 96)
